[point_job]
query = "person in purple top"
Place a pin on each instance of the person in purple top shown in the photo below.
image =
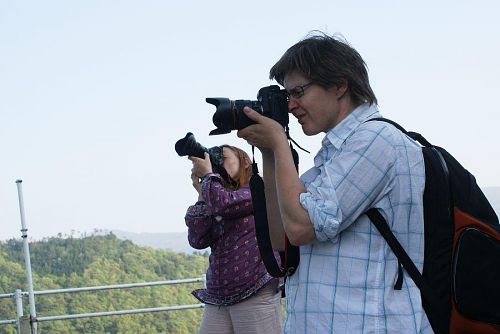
(240, 296)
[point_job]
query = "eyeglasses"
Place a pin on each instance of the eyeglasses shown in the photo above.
(297, 91)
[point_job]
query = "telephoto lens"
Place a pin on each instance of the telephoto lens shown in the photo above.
(271, 102)
(189, 146)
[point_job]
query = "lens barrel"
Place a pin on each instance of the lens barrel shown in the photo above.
(229, 114)
(189, 146)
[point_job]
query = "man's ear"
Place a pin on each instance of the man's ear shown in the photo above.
(341, 89)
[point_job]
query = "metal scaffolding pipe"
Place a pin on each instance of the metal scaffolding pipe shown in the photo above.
(121, 312)
(118, 286)
(27, 261)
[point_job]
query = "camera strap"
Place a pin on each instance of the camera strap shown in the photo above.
(290, 257)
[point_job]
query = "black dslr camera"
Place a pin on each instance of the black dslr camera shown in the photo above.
(271, 102)
(189, 146)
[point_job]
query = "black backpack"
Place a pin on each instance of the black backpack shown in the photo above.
(460, 283)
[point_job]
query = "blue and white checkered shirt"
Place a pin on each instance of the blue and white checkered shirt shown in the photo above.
(345, 280)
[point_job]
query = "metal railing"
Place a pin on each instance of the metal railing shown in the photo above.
(18, 296)
(29, 324)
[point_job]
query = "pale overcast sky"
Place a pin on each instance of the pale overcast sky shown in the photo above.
(94, 94)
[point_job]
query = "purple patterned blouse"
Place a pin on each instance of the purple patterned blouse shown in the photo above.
(225, 222)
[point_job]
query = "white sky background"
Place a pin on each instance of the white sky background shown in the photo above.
(94, 94)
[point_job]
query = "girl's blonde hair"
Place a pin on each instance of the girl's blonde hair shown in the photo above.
(245, 172)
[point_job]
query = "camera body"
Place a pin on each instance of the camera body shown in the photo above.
(271, 102)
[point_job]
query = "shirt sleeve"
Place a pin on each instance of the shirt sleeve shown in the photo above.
(349, 182)
(225, 203)
(200, 225)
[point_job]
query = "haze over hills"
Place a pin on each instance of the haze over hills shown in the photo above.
(175, 241)
(178, 241)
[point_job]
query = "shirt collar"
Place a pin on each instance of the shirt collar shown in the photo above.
(339, 133)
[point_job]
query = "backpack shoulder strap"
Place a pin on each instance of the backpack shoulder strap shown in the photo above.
(381, 224)
(413, 135)
(430, 298)
(426, 291)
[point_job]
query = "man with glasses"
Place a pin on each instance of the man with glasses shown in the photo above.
(346, 276)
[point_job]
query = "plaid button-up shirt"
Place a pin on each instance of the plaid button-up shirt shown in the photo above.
(345, 280)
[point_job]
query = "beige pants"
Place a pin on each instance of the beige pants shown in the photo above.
(260, 313)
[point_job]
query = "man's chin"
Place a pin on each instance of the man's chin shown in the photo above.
(308, 131)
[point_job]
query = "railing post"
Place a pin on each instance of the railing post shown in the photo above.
(18, 296)
(25, 325)
(27, 260)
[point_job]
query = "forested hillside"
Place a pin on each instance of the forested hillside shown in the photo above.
(101, 260)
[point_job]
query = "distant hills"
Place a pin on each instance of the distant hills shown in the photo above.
(98, 260)
(175, 241)
(178, 241)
